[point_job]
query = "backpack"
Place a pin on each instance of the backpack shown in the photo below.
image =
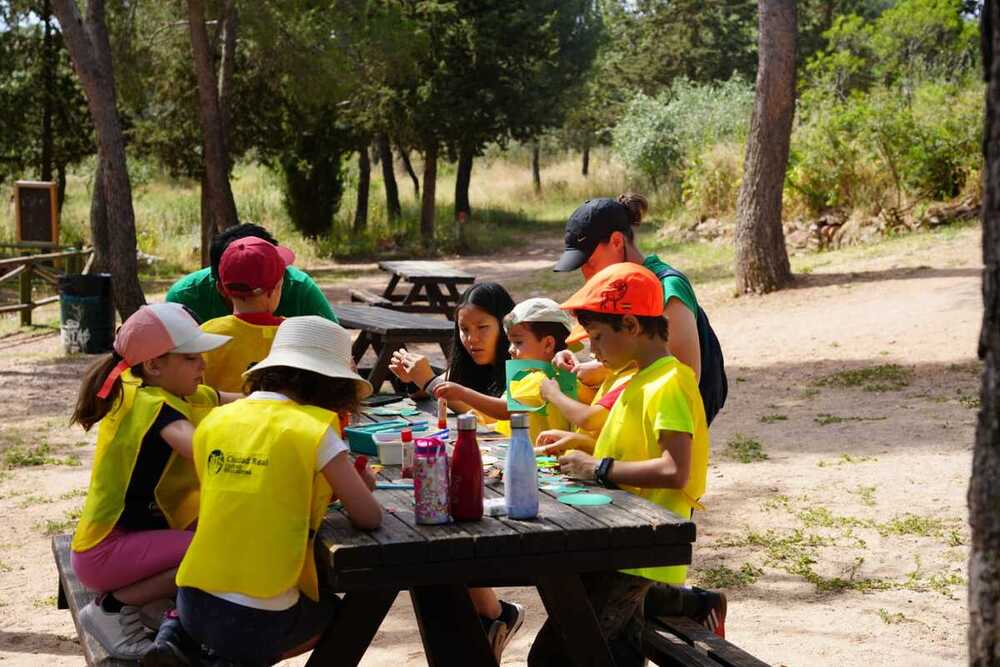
(713, 384)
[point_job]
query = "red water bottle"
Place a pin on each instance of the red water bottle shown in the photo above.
(466, 473)
(406, 437)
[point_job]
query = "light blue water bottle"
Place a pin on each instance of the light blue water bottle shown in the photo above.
(520, 474)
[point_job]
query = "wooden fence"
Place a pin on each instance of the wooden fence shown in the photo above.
(27, 268)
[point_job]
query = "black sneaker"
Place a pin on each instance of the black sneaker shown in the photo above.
(173, 647)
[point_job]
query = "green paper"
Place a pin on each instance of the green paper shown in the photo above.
(587, 499)
(520, 368)
(386, 412)
(561, 489)
(409, 412)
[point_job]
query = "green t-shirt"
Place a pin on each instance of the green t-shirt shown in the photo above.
(300, 295)
(673, 286)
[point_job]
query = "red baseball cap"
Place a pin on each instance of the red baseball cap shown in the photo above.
(625, 288)
(251, 266)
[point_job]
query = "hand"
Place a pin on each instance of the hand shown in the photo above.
(410, 367)
(565, 360)
(554, 441)
(549, 388)
(450, 391)
(591, 373)
(578, 465)
(365, 471)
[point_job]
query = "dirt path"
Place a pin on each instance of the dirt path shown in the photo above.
(850, 534)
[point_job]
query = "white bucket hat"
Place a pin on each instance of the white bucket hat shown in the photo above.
(314, 344)
(538, 309)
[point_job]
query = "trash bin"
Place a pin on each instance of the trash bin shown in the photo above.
(87, 313)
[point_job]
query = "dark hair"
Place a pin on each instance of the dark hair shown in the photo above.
(542, 329)
(492, 378)
(222, 240)
(637, 205)
(89, 408)
(306, 387)
(652, 326)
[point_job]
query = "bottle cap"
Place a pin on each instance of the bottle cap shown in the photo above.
(519, 420)
(406, 435)
(467, 422)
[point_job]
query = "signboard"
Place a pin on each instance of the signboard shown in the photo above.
(36, 213)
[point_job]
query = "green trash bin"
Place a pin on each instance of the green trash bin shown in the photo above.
(87, 313)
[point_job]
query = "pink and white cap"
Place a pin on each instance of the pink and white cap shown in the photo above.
(155, 330)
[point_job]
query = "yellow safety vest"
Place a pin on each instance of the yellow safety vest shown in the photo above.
(224, 366)
(119, 438)
(262, 499)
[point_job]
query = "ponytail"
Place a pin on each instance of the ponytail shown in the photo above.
(90, 408)
(636, 204)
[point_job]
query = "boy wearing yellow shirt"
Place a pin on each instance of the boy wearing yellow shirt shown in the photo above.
(654, 442)
(250, 273)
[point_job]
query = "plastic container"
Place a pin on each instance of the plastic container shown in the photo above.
(520, 474)
(390, 448)
(466, 486)
(87, 313)
(430, 482)
(361, 438)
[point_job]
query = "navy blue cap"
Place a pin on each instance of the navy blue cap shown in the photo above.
(591, 225)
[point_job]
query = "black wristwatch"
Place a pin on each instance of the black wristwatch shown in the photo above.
(602, 472)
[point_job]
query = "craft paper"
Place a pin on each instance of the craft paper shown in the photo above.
(589, 499)
(524, 380)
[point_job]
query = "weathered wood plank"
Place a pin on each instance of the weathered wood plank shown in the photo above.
(450, 627)
(574, 619)
(416, 270)
(345, 641)
(705, 640)
(666, 650)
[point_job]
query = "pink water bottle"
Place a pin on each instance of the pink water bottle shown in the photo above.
(430, 481)
(466, 473)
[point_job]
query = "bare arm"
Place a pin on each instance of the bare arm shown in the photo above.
(467, 399)
(578, 414)
(683, 335)
(668, 471)
(229, 397)
(554, 441)
(180, 436)
(351, 489)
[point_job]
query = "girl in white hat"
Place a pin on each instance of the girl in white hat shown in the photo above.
(147, 396)
(268, 466)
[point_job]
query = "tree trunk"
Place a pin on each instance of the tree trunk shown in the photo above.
(60, 185)
(427, 204)
(761, 258)
(227, 64)
(48, 77)
(536, 171)
(392, 206)
(585, 168)
(207, 224)
(90, 48)
(364, 181)
(463, 176)
(984, 492)
(216, 158)
(99, 222)
(404, 155)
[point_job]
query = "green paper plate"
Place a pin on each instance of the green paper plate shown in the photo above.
(386, 412)
(563, 488)
(589, 499)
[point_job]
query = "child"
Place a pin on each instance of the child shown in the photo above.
(654, 443)
(537, 329)
(147, 395)
(250, 275)
(479, 352)
(248, 588)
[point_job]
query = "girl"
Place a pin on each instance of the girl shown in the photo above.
(479, 352)
(269, 465)
(143, 491)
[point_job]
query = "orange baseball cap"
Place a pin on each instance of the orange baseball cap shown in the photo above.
(625, 288)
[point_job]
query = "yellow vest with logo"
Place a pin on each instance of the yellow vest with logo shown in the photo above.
(119, 438)
(262, 499)
(630, 434)
(224, 366)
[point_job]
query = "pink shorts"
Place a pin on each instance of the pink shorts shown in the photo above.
(124, 557)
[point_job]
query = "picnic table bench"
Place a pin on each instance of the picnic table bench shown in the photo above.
(385, 331)
(433, 287)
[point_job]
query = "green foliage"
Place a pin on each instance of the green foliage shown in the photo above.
(884, 377)
(645, 140)
(745, 450)
(721, 576)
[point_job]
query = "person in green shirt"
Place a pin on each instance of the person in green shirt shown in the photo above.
(198, 291)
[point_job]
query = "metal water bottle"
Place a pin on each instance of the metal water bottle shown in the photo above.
(520, 474)
(466, 473)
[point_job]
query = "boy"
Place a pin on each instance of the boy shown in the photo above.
(654, 443)
(250, 272)
(536, 328)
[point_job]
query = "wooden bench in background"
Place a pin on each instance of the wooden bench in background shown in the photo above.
(372, 299)
(73, 596)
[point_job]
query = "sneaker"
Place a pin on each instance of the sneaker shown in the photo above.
(713, 614)
(151, 614)
(122, 635)
(173, 647)
(503, 629)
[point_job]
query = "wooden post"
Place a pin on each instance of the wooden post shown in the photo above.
(73, 261)
(25, 298)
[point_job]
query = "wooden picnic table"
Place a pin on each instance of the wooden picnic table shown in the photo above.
(433, 286)
(386, 330)
(437, 564)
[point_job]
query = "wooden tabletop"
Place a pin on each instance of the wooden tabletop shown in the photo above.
(630, 532)
(383, 321)
(412, 271)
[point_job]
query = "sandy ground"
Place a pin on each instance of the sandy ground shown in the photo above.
(846, 544)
